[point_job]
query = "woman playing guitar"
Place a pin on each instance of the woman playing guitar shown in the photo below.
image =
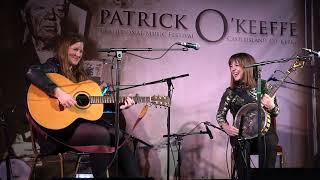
(68, 62)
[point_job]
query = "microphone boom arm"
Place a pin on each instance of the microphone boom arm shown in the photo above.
(212, 125)
(138, 49)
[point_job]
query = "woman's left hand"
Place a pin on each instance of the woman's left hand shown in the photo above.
(127, 103)
(103, 85)
(268, 102)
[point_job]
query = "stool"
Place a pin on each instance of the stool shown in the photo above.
(280, 153)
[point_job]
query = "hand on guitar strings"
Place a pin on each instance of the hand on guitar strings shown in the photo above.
(65, 99)
(127, 103)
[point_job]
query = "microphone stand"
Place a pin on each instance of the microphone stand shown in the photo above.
(179, 138)
(241, 143)
(119, 54)
(258, 91)
(170, 87)
(155, 82)
(135, 139)
(258, 78)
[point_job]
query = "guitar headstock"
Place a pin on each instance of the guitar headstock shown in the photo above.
(161, 101)
(299, 63)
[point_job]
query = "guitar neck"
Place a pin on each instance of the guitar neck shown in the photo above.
(110, 99)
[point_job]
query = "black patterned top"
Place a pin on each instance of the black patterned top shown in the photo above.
(234, 99)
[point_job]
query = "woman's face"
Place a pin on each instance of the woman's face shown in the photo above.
(75, 53)
(236, 71)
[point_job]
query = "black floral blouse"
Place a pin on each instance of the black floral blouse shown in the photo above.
(234, 99)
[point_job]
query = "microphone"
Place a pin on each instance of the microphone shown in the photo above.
(195, 46)
(312, 51)
(207, 123)
(209, 132)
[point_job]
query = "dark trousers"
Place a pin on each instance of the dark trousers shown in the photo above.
(242, 149)
(99, 134)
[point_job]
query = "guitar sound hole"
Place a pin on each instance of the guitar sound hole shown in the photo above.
(82, 100)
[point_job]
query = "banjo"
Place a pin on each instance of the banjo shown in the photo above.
(247, 116)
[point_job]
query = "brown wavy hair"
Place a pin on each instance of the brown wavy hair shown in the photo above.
(77, 73)
(248, 79)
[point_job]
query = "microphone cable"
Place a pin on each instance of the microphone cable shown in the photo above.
(156, 58)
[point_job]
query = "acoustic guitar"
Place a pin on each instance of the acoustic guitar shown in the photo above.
(48, 112)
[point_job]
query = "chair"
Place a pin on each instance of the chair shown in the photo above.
(280, 153)
(279, 148)
(38, 156)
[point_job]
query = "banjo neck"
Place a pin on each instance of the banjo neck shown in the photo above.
(299, 63)
(274, 88)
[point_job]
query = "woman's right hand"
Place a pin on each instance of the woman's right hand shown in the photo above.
(65, 99)
(230, 130)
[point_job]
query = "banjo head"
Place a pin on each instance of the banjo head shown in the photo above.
(249, 113)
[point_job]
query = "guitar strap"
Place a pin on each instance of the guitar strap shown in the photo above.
(142, 113)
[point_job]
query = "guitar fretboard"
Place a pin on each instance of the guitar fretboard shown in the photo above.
(110, 99)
